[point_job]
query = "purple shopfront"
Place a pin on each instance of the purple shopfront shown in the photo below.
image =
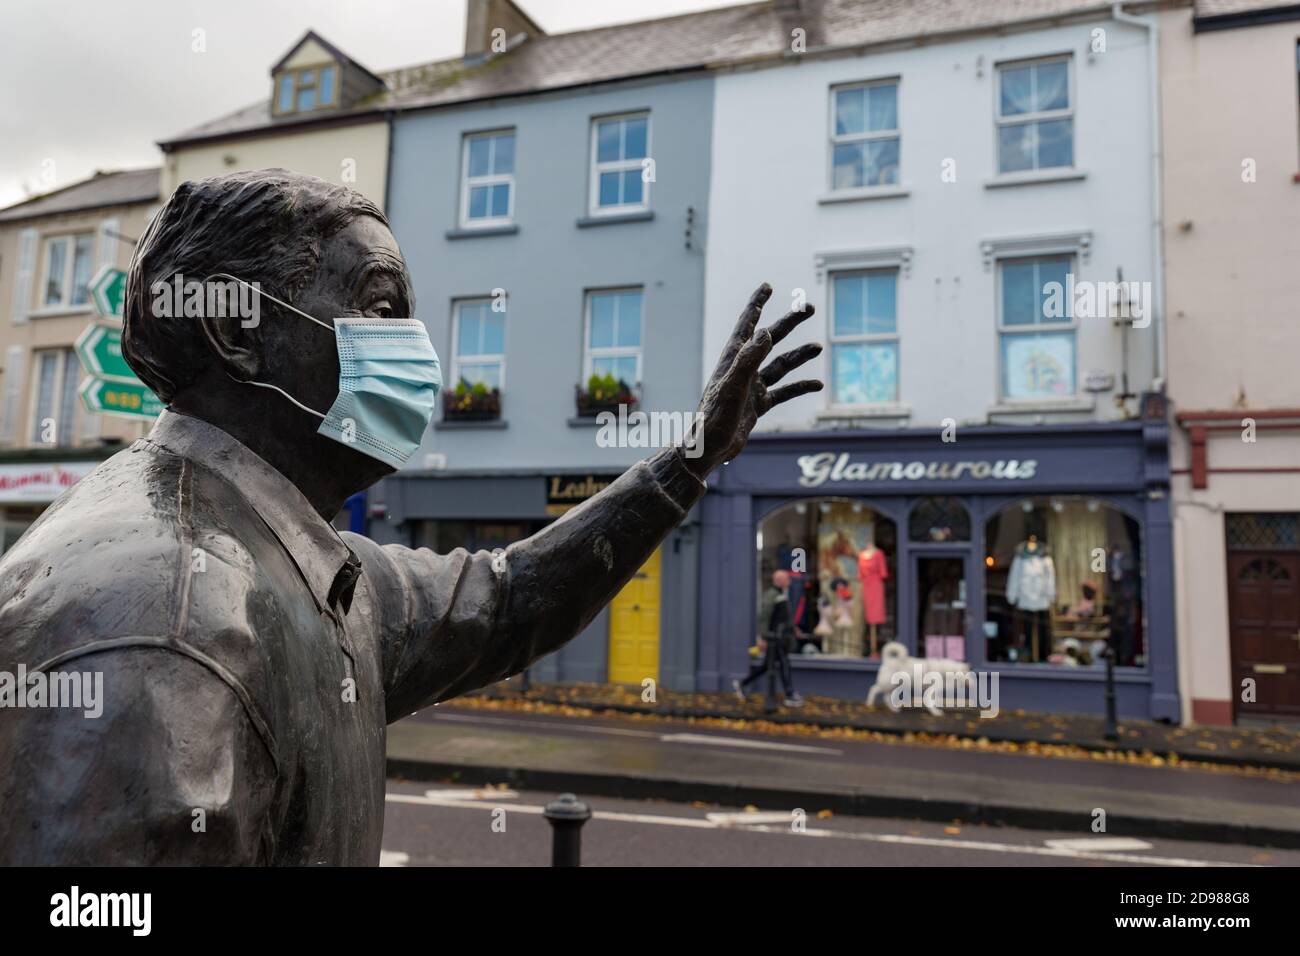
(1025, 550)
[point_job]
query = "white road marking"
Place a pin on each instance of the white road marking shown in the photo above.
(1109, 844)
(484, 794)
(393, 858)
(986, 846)
(743, 742)
(747, 819)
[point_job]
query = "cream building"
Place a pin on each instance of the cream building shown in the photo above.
(1231, 131)
(50, 248)
(324, 117)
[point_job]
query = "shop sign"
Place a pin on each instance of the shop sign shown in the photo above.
(817, 470)
(565, 491)
(38, 482)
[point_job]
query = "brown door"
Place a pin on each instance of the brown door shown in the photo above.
(1264, 620)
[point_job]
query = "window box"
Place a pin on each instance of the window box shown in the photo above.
(603, 395)
(472, 403)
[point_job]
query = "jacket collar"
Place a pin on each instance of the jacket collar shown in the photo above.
(326, 563)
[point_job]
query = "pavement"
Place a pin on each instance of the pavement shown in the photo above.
(1272, 745)
(498, 826)
(691, 763)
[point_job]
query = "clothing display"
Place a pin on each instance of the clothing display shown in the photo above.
(1031, 585)
(872, 572)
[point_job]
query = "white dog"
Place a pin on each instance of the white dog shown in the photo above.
(894, 658)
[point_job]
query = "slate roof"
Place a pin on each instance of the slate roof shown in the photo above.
(102, 189)
(705, 39)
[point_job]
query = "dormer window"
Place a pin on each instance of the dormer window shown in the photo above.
(301, 91)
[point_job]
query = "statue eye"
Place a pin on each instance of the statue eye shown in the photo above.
(381, 309)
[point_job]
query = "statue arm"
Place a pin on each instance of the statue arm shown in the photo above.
(455, 622)
(124, 787)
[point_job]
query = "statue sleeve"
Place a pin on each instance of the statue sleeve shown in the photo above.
(450, 623)
(170, 772)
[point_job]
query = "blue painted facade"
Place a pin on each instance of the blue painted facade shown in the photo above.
(1121, 465)
(474, 482)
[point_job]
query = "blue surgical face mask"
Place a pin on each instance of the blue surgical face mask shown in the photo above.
(389, 378)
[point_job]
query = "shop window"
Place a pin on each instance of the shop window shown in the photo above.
(938, 519)
(1062, 581)
(841, 555)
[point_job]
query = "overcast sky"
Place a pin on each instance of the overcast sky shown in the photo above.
(92, 84)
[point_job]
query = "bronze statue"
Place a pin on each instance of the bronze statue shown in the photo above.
(251, 657)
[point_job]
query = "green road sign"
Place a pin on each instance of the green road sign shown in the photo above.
(107, 290)
(100, 349)
(120, 398)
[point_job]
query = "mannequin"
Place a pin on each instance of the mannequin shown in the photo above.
(1031, 586)
(873, 572)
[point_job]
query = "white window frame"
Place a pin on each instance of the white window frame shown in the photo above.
(467, 182)
(1019, 119)
(62, 356)
(842, 139)
(1072, 325)
(864, 338)
(68, 239)
(486, 357)
(619, 165)
(612, 351)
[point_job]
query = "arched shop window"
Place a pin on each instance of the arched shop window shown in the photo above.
(938, 519)
(1062, 581)
(841, 555)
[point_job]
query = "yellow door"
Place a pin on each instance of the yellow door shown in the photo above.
(634, 627)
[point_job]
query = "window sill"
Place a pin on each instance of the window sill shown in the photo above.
(454, 425)
(1063, 175)
(864, 193)
(58, 311)
(1043, 407)
(609, 219)
(476, 232)
(865, 411)
(584, 421)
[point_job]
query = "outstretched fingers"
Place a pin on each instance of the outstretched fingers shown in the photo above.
(744, 327)
(786, 392)
(788, 322)
(783, 363)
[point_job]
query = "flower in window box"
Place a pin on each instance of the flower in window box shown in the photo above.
(474, 402)
(604, 393)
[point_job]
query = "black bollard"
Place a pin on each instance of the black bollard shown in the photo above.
(1112, 722)
(566, 816)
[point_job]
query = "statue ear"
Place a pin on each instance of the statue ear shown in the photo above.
(234, 337)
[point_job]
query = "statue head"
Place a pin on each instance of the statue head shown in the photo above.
(323, 249)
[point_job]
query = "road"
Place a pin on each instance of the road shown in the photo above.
(459, 826)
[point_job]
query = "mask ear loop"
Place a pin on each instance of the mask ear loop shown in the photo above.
(274, 388)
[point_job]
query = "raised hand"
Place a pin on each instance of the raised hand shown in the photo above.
(739, 393)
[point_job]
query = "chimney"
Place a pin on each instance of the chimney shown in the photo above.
(492, 24)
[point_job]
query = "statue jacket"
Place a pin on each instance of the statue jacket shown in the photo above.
(251, 656)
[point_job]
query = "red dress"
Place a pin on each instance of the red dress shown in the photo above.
(872, 572)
